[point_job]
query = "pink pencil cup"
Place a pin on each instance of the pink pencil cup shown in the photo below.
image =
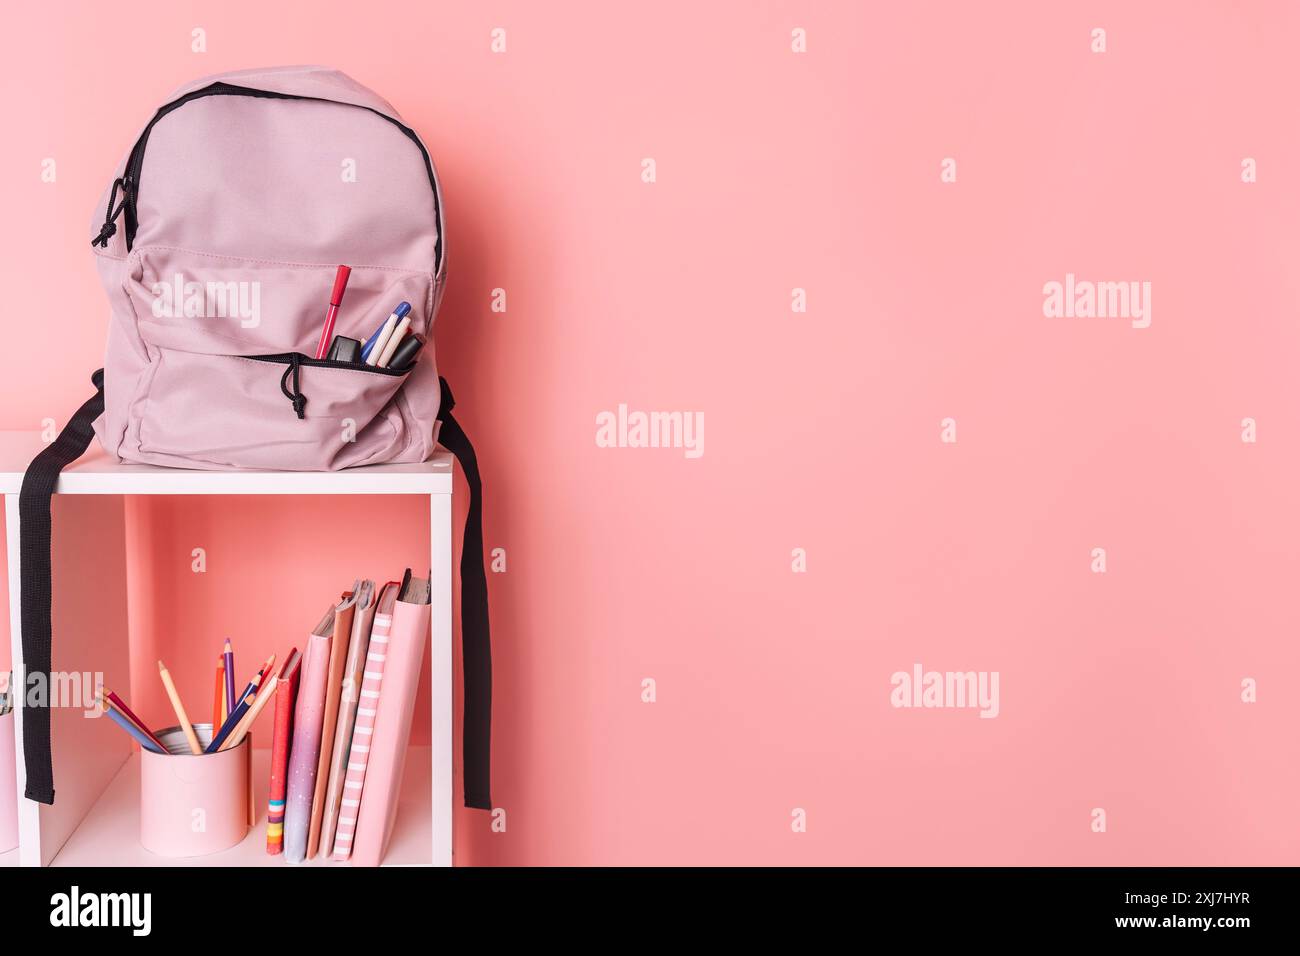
(8, 785)
(194, 805)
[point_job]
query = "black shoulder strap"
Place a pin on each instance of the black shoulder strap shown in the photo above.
(34, 556)
(476, 643)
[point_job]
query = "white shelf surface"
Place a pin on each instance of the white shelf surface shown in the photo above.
(109, 835)
(95, 473)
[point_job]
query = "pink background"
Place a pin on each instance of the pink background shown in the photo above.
(778, 170)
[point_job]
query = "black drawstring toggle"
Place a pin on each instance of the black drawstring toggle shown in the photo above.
(109, 228)
(296, 397)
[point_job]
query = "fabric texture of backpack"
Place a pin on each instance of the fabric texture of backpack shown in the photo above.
(217, 244)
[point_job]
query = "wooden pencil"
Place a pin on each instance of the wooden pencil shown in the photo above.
(229, 656)
(130, 715)
(129, 726)
(236, 717)
(177, 706)
(219, 695)
(244, 726)
(257, 679)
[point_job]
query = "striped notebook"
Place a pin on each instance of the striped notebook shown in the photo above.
(367, 707)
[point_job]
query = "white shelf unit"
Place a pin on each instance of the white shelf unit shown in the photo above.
(94, 820)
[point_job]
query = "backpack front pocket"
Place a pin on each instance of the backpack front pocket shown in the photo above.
(195, 302)
(284, 411)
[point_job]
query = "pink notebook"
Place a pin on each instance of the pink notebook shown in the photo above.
(363, 727)
(343, 614)
(349, 698)
(392, 730)
(309, 714)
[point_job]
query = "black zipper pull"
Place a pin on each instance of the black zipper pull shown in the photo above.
(296, 397)
(109, 227)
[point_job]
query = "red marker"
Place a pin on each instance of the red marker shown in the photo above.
(327, 333)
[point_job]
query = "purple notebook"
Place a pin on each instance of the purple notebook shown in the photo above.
(308, 716)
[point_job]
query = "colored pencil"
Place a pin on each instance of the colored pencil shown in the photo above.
(257, 679)
(245, 702)
(130, 715)
(246, 724)
(121, 720)
(228, 727)
(229, 658)
(219, 694)
(177, 706)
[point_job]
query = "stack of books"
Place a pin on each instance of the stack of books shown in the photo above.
(343, 711)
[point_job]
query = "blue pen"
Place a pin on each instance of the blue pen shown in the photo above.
(399, 313)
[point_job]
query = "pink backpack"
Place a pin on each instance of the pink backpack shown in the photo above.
(219, 246)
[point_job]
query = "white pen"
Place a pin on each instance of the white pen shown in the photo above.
(391, 346)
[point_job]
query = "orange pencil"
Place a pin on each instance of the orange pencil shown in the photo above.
(177, 706)
(219, 695)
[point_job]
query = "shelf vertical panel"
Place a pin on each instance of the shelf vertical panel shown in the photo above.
(90, 648)
(440, 663)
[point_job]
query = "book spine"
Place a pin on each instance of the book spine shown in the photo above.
(333, 687)
(362, 625)
(372, 679)
(286, 692)
(307, 719)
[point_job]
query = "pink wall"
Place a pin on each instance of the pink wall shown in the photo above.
(778, 170)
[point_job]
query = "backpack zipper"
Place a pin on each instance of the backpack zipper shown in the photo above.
(129, 183)
(309, 362)
(296, 360)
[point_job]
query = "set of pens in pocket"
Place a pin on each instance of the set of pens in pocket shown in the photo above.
(393, 345)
